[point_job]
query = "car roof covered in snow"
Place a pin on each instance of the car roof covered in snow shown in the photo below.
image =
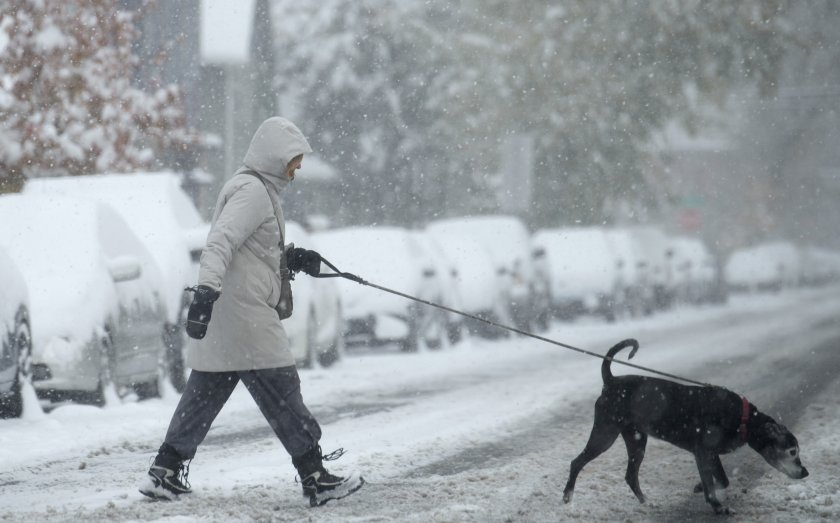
(158, 211)
(62, 247)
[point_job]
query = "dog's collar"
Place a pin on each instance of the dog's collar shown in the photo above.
(745, 417)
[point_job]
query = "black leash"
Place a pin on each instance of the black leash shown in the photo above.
(352, 277)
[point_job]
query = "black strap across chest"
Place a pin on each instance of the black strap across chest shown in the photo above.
(282, 243)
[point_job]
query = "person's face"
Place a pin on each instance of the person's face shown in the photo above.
(293, 166)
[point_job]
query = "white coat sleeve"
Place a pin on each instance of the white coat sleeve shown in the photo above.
(241, 215)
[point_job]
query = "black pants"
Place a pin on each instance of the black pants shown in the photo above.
(276, 393)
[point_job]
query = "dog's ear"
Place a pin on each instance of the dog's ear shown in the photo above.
(768, 432)
(780, 436)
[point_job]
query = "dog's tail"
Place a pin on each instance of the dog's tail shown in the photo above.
(606, 374)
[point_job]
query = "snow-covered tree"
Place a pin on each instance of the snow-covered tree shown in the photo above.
(67, 105)
(408, 95)
(360, 74)
(594, 80)
(794, 135)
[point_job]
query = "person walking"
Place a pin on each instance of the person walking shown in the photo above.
(243, 285)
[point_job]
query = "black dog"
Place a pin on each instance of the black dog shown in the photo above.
(706, 421)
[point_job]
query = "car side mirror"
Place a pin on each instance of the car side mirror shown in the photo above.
(195, 239)
(124, 268)
(429, 273)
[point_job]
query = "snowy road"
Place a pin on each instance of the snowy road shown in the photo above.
(483, 431)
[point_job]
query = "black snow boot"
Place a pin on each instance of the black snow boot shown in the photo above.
(167, 477)
(318, 484)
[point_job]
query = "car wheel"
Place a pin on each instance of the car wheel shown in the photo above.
(175, 340)
(11, 406)
(311, 341)
(435, 327)
(521, 315)
(411, 343)
(106, 361)
(455, 332)
(542, 318)
(334, 353)
(336, 349)
(152, 388)
(149, 389)
(608, 309)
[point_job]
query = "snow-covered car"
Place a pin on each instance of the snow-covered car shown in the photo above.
(768, 266)
(635, 296)
(316, 328)
(508, 243)
(390, 257)
(654, 248)
(478, 287)
(164, 218)
(541, 284)
(584, 275)
(15, 337)
(95, 314)
(449, 291)
(820, 266)
(693, 270)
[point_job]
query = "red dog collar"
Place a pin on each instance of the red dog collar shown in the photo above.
(745, 417)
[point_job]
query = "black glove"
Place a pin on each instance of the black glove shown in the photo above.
(198, 317)
(304, 260)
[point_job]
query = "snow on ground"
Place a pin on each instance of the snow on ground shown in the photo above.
(483, 431)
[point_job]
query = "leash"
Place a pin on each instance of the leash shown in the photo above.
(352, 277)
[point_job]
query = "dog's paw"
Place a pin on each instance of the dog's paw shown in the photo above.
(567, 496)
(698, 488)
(722, 510)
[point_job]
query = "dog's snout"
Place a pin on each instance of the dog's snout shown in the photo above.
(804, 473)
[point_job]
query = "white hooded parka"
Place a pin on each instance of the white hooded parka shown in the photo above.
(242, 258)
